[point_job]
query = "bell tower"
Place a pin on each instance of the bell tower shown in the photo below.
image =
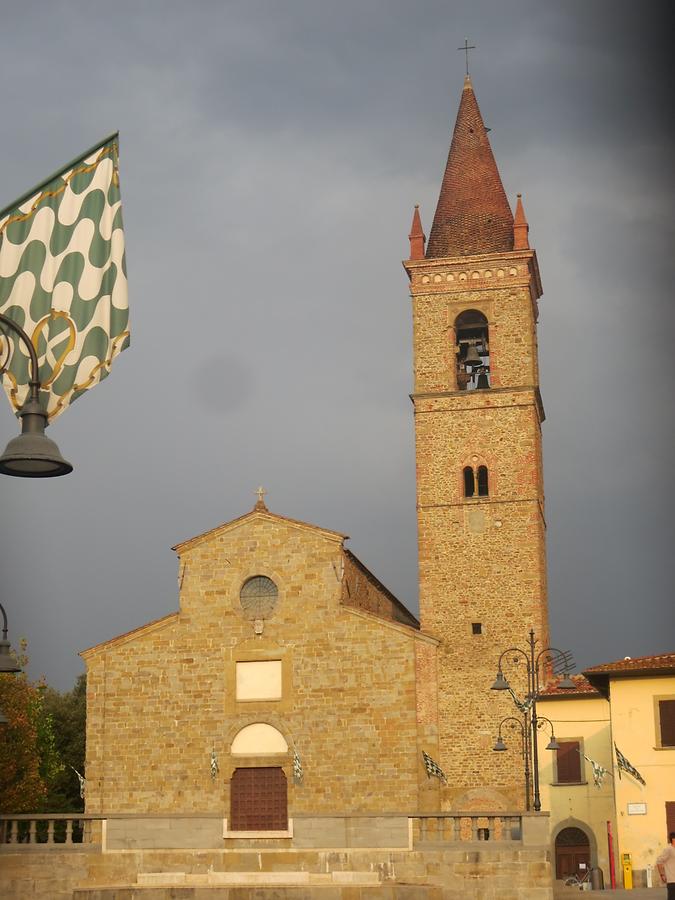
(480, 494)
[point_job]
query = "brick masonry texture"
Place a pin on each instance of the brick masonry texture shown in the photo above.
(473, 214)
(481, 560)
(160, 698)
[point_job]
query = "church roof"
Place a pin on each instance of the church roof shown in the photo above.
(473, 215)
(259, 511)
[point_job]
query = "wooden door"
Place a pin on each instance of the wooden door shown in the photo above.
(259, 799)
(572, 853)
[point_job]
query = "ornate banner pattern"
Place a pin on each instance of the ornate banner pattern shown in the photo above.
(63, 280)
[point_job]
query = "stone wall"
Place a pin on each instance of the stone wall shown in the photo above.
(474, 874)
(160, 699)
(482, 559)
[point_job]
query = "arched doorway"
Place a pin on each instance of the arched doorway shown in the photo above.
(572, 853)
(258, 787)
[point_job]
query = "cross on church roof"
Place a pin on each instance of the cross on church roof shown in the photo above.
(467, 46)
(260, 502)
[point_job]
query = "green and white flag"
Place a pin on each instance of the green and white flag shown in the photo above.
(63, 280)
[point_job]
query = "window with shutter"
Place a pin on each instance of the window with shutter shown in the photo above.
(568, 762)
(667, 722)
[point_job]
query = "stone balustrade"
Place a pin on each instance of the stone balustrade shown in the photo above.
(58, 830)
(453, 828)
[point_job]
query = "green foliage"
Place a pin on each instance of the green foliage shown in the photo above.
(43, 740)
(67, 714)
(22, 787)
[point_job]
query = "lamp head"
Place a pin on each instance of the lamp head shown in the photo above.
(499, 744)
(8, 665)
(501, 684)
(566, 683)
(32, 454)
(553, 744)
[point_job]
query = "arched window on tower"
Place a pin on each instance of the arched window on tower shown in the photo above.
(476, 481)
(469, 482)
(473, 351)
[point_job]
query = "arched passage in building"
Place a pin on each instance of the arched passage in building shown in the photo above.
(573, 854)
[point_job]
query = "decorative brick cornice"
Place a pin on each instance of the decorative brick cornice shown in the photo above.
(458, 275)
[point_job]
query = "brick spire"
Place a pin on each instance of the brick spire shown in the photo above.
(473, 214)
(520, 228)
(416, 237)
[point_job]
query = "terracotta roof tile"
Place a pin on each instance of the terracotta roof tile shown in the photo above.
(582, 687)
(660, 662)
(473, 214)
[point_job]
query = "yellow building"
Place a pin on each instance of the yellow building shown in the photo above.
(621, 716)
(641, 694)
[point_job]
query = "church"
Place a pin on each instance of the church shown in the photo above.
(290, 681)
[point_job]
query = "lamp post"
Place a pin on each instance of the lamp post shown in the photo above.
(523, 725)
(500, 747)
(533, 663)
(32, 454)
(8, 665)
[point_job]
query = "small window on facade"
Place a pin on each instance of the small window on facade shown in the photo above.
(469, 482)
(667, 722)
(476, 628)
(482, 481)
(568, 763)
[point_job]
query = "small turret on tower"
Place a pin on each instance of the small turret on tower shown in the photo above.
(417, 236)
(520, 228)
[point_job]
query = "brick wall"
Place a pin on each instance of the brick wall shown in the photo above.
(482, 560)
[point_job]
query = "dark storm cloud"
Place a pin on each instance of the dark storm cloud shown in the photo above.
(270, 158)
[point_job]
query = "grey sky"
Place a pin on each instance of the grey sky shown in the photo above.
(271, 154)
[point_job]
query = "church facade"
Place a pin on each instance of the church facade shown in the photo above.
(290, 680)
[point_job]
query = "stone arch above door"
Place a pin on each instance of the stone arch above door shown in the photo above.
(258, 739)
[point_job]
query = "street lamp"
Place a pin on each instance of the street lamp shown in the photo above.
(32, 454)
(500, 747)
(8, 665)
(523, 727)
(533, 662)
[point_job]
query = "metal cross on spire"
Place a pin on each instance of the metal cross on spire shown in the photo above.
(261, 494)
(467, 46)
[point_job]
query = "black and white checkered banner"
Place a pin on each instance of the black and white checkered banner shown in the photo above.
(599, 772)
(82, 780)
(215, 768)
(622, 763)
(433, 769)
(298, 774)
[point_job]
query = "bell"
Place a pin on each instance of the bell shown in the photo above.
(472, 358)
(482, 384)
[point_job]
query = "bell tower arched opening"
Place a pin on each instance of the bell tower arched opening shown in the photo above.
(472, 351)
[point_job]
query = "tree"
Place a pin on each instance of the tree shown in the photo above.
(28, 758)
(67, 712)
